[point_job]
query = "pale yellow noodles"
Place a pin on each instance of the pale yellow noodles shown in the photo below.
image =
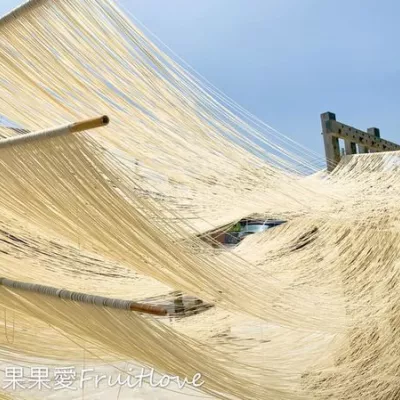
(309, 309)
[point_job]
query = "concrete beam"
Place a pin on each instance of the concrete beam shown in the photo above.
(362, 138)
(369, 141)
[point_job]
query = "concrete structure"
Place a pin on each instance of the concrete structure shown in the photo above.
(366, 142)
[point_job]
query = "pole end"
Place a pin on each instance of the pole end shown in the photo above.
(89, 124)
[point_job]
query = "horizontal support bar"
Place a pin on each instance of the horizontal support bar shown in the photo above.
(85, 298)
(342, 131)
(54, 132)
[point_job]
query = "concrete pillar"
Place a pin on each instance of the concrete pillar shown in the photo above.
(374, 132)
(331, 143)
(350, 147)
(362, 149)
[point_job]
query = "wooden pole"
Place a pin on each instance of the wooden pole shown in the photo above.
(58, 131)
(84, 298)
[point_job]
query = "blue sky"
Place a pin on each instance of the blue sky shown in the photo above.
(287, 61)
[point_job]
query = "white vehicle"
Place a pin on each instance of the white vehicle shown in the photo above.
(250, 227)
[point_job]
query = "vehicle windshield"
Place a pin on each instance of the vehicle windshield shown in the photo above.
(254, 228)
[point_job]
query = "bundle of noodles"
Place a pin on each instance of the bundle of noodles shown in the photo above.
(174, 163)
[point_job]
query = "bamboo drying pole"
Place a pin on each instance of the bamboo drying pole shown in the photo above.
(58, 131)
(84, 298)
